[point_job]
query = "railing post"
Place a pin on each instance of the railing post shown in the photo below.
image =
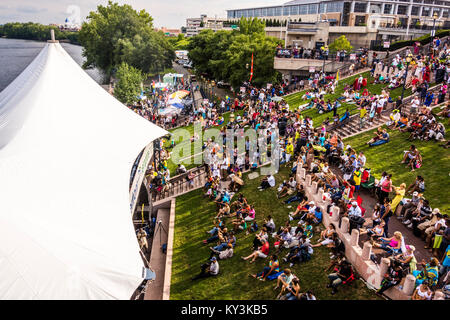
(409, 285)
(355, 238)
(367, 251)
(345, 223)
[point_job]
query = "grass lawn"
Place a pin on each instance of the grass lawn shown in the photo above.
(387, 157)
(294, 100)
(194, 216)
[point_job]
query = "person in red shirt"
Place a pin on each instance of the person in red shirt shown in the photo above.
(262, 252)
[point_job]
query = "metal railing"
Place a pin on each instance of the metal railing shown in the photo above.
(389, 107)
(177, 183)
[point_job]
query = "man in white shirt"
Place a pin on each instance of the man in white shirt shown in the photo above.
(207, 270)
(271, 181)
(354, 210)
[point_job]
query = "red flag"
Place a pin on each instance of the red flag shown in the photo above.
(251, 70)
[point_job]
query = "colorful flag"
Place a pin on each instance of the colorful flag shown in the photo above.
(251, 70)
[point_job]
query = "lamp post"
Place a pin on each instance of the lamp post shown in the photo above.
(408, 61)
(433, 31)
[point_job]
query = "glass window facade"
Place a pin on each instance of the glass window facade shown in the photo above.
(360, 7)
(294, 10)
(337, 6)
(312, 8)
(303, 9)
(415, 11)
(402, 9)
(387, 8)
(322, 7)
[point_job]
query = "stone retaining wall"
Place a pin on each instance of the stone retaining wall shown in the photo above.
(357, 256)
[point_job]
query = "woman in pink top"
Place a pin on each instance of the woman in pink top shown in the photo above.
(392, 244)
(251, 214)
(386, 188)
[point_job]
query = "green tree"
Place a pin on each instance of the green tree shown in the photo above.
(223, 55)
(117, 33)
(251, 26)
(339, 44)
(128, 86)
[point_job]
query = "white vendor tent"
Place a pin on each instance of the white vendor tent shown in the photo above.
(66, 151)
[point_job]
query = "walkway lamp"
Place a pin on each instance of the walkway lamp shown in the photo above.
(433, 31)
(408, 61)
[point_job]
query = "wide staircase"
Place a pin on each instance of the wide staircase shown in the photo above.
(352, 126)
(179, 184)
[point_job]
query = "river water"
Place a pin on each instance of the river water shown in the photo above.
(16, 55)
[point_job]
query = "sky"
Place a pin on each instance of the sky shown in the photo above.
(165, 13)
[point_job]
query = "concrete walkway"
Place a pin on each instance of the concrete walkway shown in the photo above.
(369, 202)
(158, 258)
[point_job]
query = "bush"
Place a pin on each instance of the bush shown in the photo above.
(405, 43)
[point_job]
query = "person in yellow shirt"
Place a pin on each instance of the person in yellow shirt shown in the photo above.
(289, 151)
(357, 179)
(399, 194)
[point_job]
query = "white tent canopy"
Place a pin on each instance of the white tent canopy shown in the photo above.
(66, 152)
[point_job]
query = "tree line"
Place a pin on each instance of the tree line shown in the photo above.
(226, 54)
(122, 43)
(35, 31)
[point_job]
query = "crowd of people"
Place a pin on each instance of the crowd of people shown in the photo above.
(340, 170)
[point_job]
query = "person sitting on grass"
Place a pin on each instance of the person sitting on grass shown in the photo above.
(274, 267)
(261, 252)
(269, 224)
(267, 182)
(210, 268)
(261, 235)
(315, 217)
(300, 196)
(417, 186)
(342, 272)
(224, 211)
(239, 203)
(412, 157)
(383, 138)
(302, 209)
(376, 136)
(287, 189)
(224, 254)
(283, 239)
(285, 280)
(293, 291)
(239, 223)
(218, 233)
(326, 236)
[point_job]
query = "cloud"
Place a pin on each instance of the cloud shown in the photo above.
(30, 10)
(167, 13)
